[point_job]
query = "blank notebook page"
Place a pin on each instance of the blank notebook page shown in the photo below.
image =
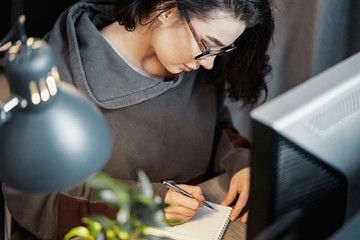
(205, 225)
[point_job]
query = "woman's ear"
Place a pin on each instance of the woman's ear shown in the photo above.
(168, 16)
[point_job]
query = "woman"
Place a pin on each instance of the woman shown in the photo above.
(153, 67)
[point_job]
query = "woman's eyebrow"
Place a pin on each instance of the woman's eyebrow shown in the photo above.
(215, 40)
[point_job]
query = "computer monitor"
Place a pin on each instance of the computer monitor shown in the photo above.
(305, 161)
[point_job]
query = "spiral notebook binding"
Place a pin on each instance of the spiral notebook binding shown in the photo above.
(224, 227)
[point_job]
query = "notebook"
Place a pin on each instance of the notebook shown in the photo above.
(205, 225)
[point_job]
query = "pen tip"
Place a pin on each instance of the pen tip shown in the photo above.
(208, 206)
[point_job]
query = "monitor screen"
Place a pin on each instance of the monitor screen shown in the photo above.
(305, 161)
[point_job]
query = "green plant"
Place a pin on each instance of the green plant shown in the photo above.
(139, 209)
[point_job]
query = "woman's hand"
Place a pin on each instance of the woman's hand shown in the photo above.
(181, 207)
(239, 185)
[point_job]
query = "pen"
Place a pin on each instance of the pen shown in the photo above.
(166, 183)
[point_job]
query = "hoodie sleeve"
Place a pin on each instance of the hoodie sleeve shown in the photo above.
(232, 150)
(33, 212)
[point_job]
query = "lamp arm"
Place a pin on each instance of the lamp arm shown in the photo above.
(18, 28)
(7, 106)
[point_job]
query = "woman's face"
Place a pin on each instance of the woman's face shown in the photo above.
(175, 45)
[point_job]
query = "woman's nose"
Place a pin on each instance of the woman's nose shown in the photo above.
(207, 62)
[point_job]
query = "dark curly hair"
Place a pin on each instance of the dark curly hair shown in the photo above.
(241, 73)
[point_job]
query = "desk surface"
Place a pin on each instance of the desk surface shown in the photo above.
(215, 191)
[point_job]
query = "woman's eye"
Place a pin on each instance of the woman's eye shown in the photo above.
(209, 45)
(212, 46)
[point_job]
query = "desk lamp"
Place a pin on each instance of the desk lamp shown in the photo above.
(51, 136)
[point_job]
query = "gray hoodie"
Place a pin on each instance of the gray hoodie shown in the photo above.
(179, 130)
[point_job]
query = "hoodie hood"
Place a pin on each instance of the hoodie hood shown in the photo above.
(85, 59)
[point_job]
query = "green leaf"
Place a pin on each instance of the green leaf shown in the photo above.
(145, 186)
(78, 232)
(108, 196)
(105, 222)
(121, 234)
(93, 226)
(145, 200)
(103, 183)
(110, 234)
(103, 180)
(153, 233)
(123, 215)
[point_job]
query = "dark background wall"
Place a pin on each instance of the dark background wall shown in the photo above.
(310, 37)
(40, 15)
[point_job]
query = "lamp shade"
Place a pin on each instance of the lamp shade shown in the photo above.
(60, 138)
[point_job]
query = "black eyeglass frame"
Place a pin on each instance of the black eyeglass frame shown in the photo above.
(205, 51)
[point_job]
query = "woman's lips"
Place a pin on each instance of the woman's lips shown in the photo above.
(187, 68)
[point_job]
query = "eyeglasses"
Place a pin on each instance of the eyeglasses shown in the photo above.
(205, 51)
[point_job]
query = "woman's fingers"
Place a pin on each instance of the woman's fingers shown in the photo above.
(177, 212)
(194, 191)
(182, 207)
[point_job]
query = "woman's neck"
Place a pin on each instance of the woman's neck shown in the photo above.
(136, 50)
